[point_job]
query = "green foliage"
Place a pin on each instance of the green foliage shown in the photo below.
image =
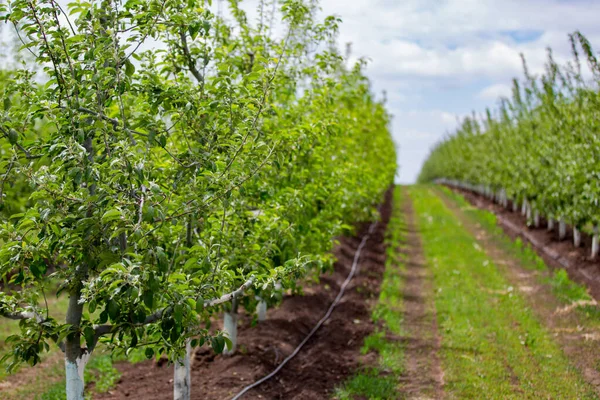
(541, 145)
(149, 179)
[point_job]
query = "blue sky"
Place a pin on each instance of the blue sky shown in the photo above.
(441, 60)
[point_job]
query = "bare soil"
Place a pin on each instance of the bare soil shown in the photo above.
(556, 253)
(326, 361)
(579, 342)
(423, 378)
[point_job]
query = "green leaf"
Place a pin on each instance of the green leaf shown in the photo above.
(92, 306)
(111, 215)
(113, 310)
(217, 343)
(13, 136)
(103, 317)
(149, 352)
(199, 304)
(129, 68)
(148, 298)
(178, 313)
(89, 335)
(134, 339)
(228, 342)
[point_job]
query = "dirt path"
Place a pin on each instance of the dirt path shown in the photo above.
(424, 378)
(579, 341)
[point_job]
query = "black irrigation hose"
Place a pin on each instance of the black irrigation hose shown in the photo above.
(321, 321)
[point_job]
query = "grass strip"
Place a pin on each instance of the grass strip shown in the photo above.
(492, 345)
(566, 291)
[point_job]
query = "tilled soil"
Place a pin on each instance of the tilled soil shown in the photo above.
(579, 342)
(327, 360)
(557, 254)
(424, 378)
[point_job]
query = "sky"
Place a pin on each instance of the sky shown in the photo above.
(440, 60)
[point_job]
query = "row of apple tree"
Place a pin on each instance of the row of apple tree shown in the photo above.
(162, 161)
(540, 148)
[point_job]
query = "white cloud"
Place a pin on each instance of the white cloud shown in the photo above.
(495, 91)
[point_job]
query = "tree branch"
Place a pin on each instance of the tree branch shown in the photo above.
(188, 56)
(22, 315)
(101, 330)
(227, 297)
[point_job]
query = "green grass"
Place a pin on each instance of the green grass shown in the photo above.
(492, 344)
(55, 392)
(381, 381)
(369, 383)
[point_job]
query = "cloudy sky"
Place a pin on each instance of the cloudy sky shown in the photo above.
(441, 59)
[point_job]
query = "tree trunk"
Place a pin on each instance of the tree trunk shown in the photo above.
(230, 327)
(536, 219)
(74, 376)
(550, 224)
(182, 380)
(562, 229)
(576, 237)
(261, 310)
(595, 244)
(515, 205)
(75, 358)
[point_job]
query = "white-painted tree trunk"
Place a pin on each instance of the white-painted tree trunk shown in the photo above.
(261, 310)
(528, 214)
(562, 229)
(595, 244)
(576, 237)
(550, 224)
(230, 328)
(182, 377)
(524, 208)
(536, 219)
(515, 205)
(74, 377)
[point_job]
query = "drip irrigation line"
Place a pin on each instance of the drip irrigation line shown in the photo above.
(321, 321)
